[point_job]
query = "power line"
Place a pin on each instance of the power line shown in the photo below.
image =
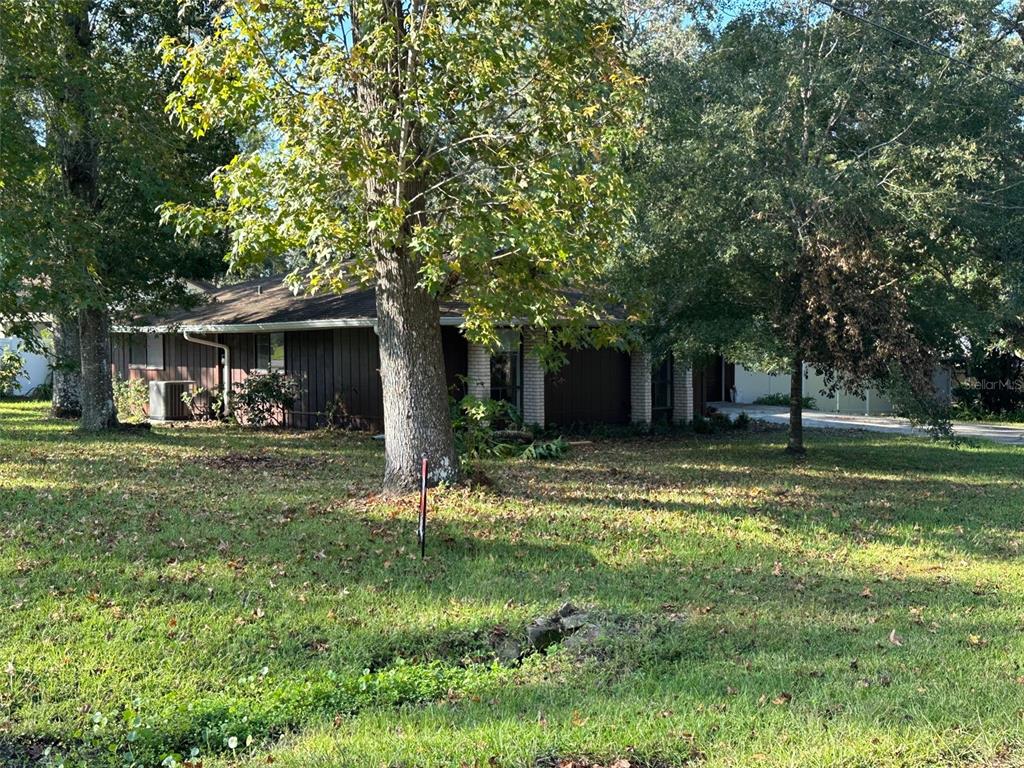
(923, 46)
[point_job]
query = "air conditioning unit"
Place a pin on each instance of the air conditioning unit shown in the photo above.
(165, 402)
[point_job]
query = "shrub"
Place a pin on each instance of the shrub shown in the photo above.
(131, 397)
(481, 427)
(263, 397)
(780, 398)
(12, 368)
(204, 404)
(546, 449)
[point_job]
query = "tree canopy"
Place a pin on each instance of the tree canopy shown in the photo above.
(831, 188)
(456, 149)
(89, 155)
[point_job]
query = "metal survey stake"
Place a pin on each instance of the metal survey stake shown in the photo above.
(422, 532)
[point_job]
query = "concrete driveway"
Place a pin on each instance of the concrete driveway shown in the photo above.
(1011, 435)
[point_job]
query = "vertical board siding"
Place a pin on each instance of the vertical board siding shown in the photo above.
(183, 361)
(591, 388)
(700, 400)
(340, 364)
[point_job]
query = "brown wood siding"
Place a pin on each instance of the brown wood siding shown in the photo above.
(340, 364)
(700, 400)
(183, 361)
(592, 388)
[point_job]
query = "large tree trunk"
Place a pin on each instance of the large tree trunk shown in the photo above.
(796, 409)
(80, 168)
(416, 417)
(97, 393)
(67, 359)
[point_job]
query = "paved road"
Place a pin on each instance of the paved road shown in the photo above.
(1011, 435)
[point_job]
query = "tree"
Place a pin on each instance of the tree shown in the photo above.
(455, 149)
(88, 155)
(831, 189)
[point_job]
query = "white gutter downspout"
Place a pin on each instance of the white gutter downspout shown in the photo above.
(227, 366)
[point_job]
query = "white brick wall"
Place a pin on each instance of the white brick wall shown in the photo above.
(640, 387)
(533, 383)
(682, 392)
(478, 372)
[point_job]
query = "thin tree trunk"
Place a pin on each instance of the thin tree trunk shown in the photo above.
(66, 367)
(417, 423)
(97, 393)
(796, 409)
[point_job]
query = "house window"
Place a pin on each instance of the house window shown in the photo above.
(507, 369)
(270, 351)
(661, 389)
(146, 350)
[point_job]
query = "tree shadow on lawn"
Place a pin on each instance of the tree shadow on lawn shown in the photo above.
(500, 582)
(763, 648)
(933, 507)
(586, 529)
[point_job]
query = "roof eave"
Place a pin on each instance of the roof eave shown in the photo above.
(290, 325)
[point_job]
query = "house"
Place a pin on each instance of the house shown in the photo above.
(328, 343)
(37, 367)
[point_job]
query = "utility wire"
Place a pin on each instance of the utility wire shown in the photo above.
(923, 46)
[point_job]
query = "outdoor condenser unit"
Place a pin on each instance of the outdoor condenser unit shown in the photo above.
(165, 402)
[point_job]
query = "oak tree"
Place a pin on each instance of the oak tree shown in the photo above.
(87, 157)
(831, 185)
(462, 150)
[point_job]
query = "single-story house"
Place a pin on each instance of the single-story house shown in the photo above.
(329, 344)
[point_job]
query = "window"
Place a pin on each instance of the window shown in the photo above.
(270, 351)
(145, 350)
(507, 370)
(661, 389)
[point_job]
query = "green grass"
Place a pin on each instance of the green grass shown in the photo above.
(202, 587)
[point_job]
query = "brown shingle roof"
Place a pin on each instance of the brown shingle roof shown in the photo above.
(268, 301)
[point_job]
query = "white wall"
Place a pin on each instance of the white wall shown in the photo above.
(36, 366)
(750, 385)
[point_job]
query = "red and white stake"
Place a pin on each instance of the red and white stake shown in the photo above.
(423, 510)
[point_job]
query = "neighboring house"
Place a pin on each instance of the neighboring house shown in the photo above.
(751, 385)
(37, 367)
(329, 344)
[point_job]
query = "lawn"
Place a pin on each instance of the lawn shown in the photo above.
(246, 595)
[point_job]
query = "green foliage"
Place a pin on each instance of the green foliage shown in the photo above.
(204, 404)
(88, 155)
(12, 368)
(482, 427)
(781, 398)
(131, 398)
(816, 190)
(476, 142)
(718, 422)
(263, 396)
(546, 449)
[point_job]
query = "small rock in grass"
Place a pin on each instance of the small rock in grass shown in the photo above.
(543, 633)
(574, 621)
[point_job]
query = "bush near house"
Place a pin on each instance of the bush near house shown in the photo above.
(12, 368)
(263, 397)
(780, 398)
(247, 595)
(131, 398)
